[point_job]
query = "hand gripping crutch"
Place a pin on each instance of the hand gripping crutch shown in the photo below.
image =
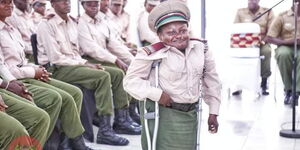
(199, 118)
(152, 115)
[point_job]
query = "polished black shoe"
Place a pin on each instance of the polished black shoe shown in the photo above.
(77, 143)
(106, 135)
(287, 98)
(264, 86)
(237, 93)
(122, 125)
(133, 112)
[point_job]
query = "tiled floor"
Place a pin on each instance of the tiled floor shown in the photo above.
(247, 122)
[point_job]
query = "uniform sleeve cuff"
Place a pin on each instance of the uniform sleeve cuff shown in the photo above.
(214, 107)
(155, 94)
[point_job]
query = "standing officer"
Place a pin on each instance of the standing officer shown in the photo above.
(281, 33)
(57, 37)
(146, 36)
(247, 15)
(186, 67)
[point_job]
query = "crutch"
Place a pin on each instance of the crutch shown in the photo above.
(152, 115)
(199, 118)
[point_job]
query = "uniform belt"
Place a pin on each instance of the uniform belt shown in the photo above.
(183, 106)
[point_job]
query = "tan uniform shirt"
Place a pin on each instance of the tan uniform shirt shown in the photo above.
(244, 15)
(145, 33)
(179, 76)
(95, 40)
(58, 42)
(36, 19)
(25, 26)
(12, 49)
(284, 26)
(122, 24)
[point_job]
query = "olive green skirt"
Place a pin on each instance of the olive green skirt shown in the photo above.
(177, 129)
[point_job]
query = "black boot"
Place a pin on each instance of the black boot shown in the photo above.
(106, 135)
(264, 86)
(133, 112)
(77, 143)
(288, 95)
(64, 143)
(122, 125)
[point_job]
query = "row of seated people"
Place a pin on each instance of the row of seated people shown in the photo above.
(85, 53)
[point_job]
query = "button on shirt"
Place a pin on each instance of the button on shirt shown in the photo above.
(12, 48)
(96, 41)
(180, 76)
(58, 43)
(23, 23)
(284, 26)
(244, 15)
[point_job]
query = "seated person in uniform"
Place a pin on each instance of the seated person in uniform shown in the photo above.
(245, 15)
(57, 37)
(281, 33)
(68, 97)
(146, 36)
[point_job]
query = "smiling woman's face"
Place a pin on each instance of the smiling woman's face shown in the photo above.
(175, 34)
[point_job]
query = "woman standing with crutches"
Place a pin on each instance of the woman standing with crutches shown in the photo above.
(186, 67)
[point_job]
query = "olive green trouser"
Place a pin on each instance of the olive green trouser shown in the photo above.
(266, 51)
(119, 94)
(93, 79)
(177, 129)
(21, 120)
(284, 57)
(71, 98)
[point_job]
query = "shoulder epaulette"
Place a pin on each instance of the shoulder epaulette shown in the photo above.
(150, 49)
(200, 40)
(49, 16)
(74, 19)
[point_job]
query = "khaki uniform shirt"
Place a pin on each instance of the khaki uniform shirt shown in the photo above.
(36, 18)
(145, 33)
(244, 15)
(121, 24)
(23, 23)
(12, 49)
(95, 40)
(284, 26)
(58, 41)
(180, 75)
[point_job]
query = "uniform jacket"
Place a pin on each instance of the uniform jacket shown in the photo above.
(12, 52)
(58, 41)
(181, 76)
(95, 40)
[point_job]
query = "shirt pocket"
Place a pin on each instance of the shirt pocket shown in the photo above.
(289, 27)
(170, 74)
